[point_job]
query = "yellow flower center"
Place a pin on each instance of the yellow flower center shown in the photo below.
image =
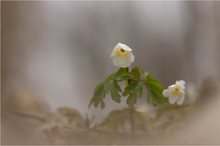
(119, 52)
(175, 90)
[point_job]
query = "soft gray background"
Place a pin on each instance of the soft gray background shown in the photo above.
(61, 50)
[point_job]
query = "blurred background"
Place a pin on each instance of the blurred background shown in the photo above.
(54, 53)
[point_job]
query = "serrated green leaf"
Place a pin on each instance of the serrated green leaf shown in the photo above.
(134, 87)
(154, 83)
(115, 96)
(137, 73)
(130, 88)
(125, 76)
(98, 87)
(116, 86)
(132, 99)
(154, 97)
(108, 85)
(121, 71)
(140, 89)
(98, 96)
(133, 90)
(154, 90)
(114, 92)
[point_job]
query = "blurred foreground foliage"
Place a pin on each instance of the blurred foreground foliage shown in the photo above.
(25, 120)
(67, 126)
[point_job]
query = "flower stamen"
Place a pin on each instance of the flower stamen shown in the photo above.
(175, 90)
(121, 52)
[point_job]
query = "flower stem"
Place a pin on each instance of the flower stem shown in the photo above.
(131, 110)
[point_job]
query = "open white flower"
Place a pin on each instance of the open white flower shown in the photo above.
(176, 93)
(122, 56)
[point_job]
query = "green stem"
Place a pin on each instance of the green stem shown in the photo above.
(131, 109)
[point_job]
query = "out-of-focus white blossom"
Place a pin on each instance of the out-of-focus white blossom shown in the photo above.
(175, 93)
(122, 55)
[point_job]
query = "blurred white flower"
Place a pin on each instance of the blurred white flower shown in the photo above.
(175, 93)
(122, 56)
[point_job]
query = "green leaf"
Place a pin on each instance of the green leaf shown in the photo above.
(121, 71)
(137, 73)
(133, 90)
(99, 87)
(123, 74)
(132, 99)
(98, 96)
(116, 86)
(130, 88)
(154, 83)
(108, 86)
(140, 89)
(114, 92)
(154, 91)
(113, 87)
(115, 96)
(133, 87)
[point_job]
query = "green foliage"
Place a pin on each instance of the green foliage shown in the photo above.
(136, 80)
(98, 96)
(110, 85)
(115, 89)
(154, 91)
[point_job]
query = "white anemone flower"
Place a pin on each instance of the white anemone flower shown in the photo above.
(122, 56)
(175, 93)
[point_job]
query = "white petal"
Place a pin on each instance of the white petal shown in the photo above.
(166, 92)
(182, 92)
(181, 83)
(172, 99)
(123, 46)
(131, 56)
(180, 100)
(126, 48)
(118, 46)
(171, 86)
(121, 62)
